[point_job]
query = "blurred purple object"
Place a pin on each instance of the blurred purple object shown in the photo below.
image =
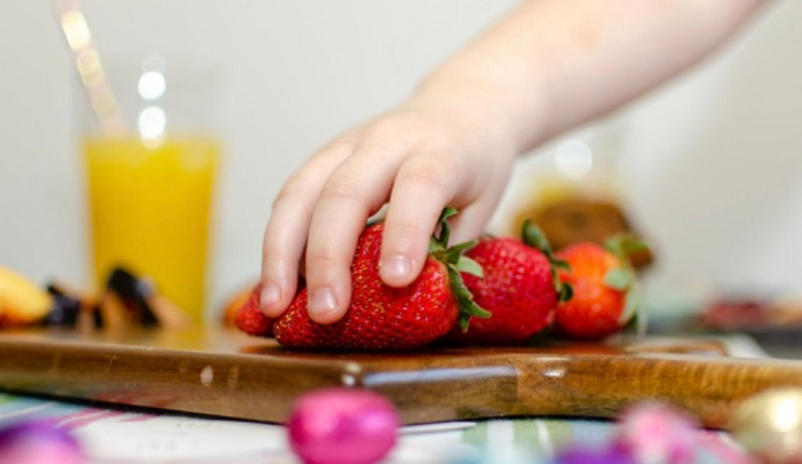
(658, 434)
(609, 455)
(38, 443)
(343, 426)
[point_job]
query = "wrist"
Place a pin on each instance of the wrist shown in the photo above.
(468, 105)
(504, 104)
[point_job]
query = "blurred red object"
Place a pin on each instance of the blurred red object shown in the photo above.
(233, 305)
(733, 315)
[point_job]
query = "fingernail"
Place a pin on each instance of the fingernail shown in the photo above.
(396, 267)
(270, 296)
(322, 301)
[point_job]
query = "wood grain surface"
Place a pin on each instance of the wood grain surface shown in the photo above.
(228, 374)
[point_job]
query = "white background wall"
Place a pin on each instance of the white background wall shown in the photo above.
(712, 162)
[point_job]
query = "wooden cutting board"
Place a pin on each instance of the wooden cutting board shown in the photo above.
(229, 374)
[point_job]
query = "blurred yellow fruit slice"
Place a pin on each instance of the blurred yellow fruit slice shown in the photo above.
(21, 301)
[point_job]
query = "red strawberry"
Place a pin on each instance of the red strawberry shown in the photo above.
(382, 317)
(519, 289)
(251, 320)
(604, 285)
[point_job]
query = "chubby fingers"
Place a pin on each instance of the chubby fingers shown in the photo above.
(355, 190)
(287, 228)
(322, 210)
(426, 182)
(472, 220)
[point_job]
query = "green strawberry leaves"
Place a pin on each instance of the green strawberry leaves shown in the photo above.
(467, 307)
(564, 291)
(442, 237)
(624, 279)
(633, 318)
(469, 266)
(623, 245)
(561, 264)
(456, 263)
(619, 278)
(534, 237)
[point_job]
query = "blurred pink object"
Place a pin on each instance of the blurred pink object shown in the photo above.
(725, 451)
(38, 443)
(343, 426)
(658, 434)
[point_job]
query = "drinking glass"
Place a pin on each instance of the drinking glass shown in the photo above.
(152, 156)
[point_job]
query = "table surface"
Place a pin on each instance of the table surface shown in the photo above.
(128, 435)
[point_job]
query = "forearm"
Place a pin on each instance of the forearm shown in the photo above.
(553, 64)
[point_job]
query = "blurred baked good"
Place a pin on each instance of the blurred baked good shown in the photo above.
(575, 219)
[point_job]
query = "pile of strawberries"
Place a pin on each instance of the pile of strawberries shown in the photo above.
(494, 291)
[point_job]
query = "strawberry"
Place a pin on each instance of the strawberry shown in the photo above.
(250, 319)
(519, 288)
(233, 304)
(382, 317)
(605, 288)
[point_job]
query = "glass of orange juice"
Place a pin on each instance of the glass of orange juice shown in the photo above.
(151, 181)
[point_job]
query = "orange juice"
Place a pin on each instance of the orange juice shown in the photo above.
(150, 211)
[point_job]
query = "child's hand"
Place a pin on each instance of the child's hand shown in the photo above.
(421, 157)
(546, 67)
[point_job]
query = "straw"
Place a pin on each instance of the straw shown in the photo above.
(90, 69)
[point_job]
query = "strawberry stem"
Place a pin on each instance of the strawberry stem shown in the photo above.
(445, 228)
(534, 237)
(456, 263)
